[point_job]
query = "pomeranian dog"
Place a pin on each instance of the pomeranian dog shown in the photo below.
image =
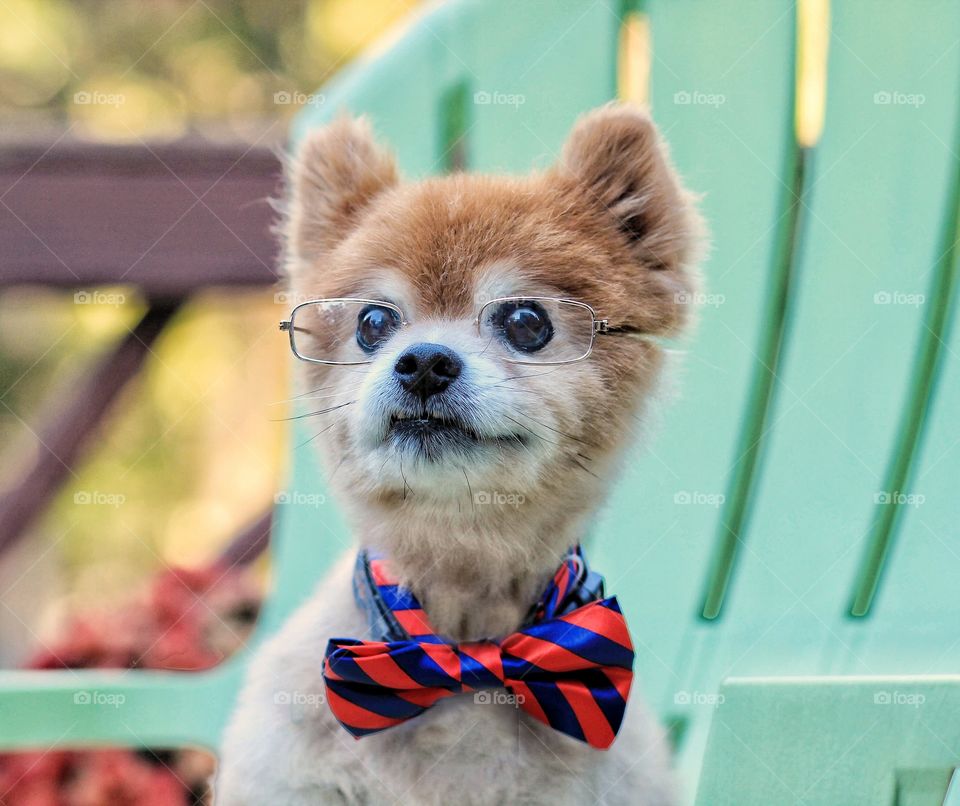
(481, 347)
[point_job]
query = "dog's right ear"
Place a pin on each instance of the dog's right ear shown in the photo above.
(337, 171)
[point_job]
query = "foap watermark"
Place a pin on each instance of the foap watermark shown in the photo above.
(699, 98)
(302, 499)
(498, 696)
(708, 698)
(699, 298)
(697, 498)
(490, 293)
(899, 499)
(299, 699)
(497, 98)
(98, 499)
(112, 298)
(290, 299)
(912, 699)
(285, 98)
(498, 498)
(95, 98)
(899, 298)
(99, 699)
(897, 98)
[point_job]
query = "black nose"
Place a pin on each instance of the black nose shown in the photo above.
(426, 369)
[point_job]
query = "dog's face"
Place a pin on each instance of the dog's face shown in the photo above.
(458, 385)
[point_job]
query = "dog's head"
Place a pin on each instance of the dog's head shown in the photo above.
(466, 314)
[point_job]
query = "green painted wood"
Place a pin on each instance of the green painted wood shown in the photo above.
(856, 741)
(751, 445)
(662, 524)
(874, 235)
(934, 357)
(127, 708)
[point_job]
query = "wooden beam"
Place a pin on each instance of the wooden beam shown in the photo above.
(62, 431)
(250, 543)
(169, 219)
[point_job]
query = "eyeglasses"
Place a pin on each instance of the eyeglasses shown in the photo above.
(535, 330)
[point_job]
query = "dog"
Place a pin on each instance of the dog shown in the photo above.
(486, 347)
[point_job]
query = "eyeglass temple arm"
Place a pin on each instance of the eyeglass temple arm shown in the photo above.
(602, 327)
(286, 326)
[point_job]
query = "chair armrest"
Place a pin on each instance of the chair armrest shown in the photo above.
(42, 709)
(874, 741)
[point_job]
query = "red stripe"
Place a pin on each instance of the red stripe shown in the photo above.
(621, 679)
(445, 657)
(601, 620)
(530, 704)
(381, 574)
(414, 622)
(545, 654)
(364, 649)
(351, 714)
(487, 654)
(384, 670)
(562, 581)
(593, 722)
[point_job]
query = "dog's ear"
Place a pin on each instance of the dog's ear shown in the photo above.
(618, 161)
(334, 176)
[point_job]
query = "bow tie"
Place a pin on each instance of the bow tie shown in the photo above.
(570, 667)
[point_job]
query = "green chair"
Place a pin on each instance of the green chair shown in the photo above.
(785, 541)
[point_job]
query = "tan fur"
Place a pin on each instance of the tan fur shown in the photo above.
(610, 225)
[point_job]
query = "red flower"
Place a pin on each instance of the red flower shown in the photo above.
(188, 620)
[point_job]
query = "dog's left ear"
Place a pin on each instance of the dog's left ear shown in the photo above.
(337, 173)
(617, 159)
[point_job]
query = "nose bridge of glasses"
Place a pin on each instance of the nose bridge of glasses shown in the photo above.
(458, 333)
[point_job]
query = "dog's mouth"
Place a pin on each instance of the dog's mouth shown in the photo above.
(430, 435)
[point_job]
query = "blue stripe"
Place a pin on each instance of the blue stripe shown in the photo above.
(346, 666)
(605, 695)
(476, 675)
(421, 667)
(583, 642)
(397, 598)
(557, 709)
(376, 699)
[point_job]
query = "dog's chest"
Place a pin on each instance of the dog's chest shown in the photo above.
(480, 748)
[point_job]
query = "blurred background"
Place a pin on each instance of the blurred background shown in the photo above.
(191, 451)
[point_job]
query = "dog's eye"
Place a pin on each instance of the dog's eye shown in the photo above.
(524, 324)
(375, 325)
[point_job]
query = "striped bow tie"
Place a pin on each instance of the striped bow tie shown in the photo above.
(570, 667)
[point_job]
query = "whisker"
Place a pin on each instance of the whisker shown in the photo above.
(585, 468)
(311, 391)
(315, 397)
(322, 431)
(531, 375)
(405, 485)
(334, 473)
(555, 430)
(313, 413)
(469, 489)
(515, 389)
(538, 436)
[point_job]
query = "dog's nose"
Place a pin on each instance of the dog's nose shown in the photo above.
(427, 369)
